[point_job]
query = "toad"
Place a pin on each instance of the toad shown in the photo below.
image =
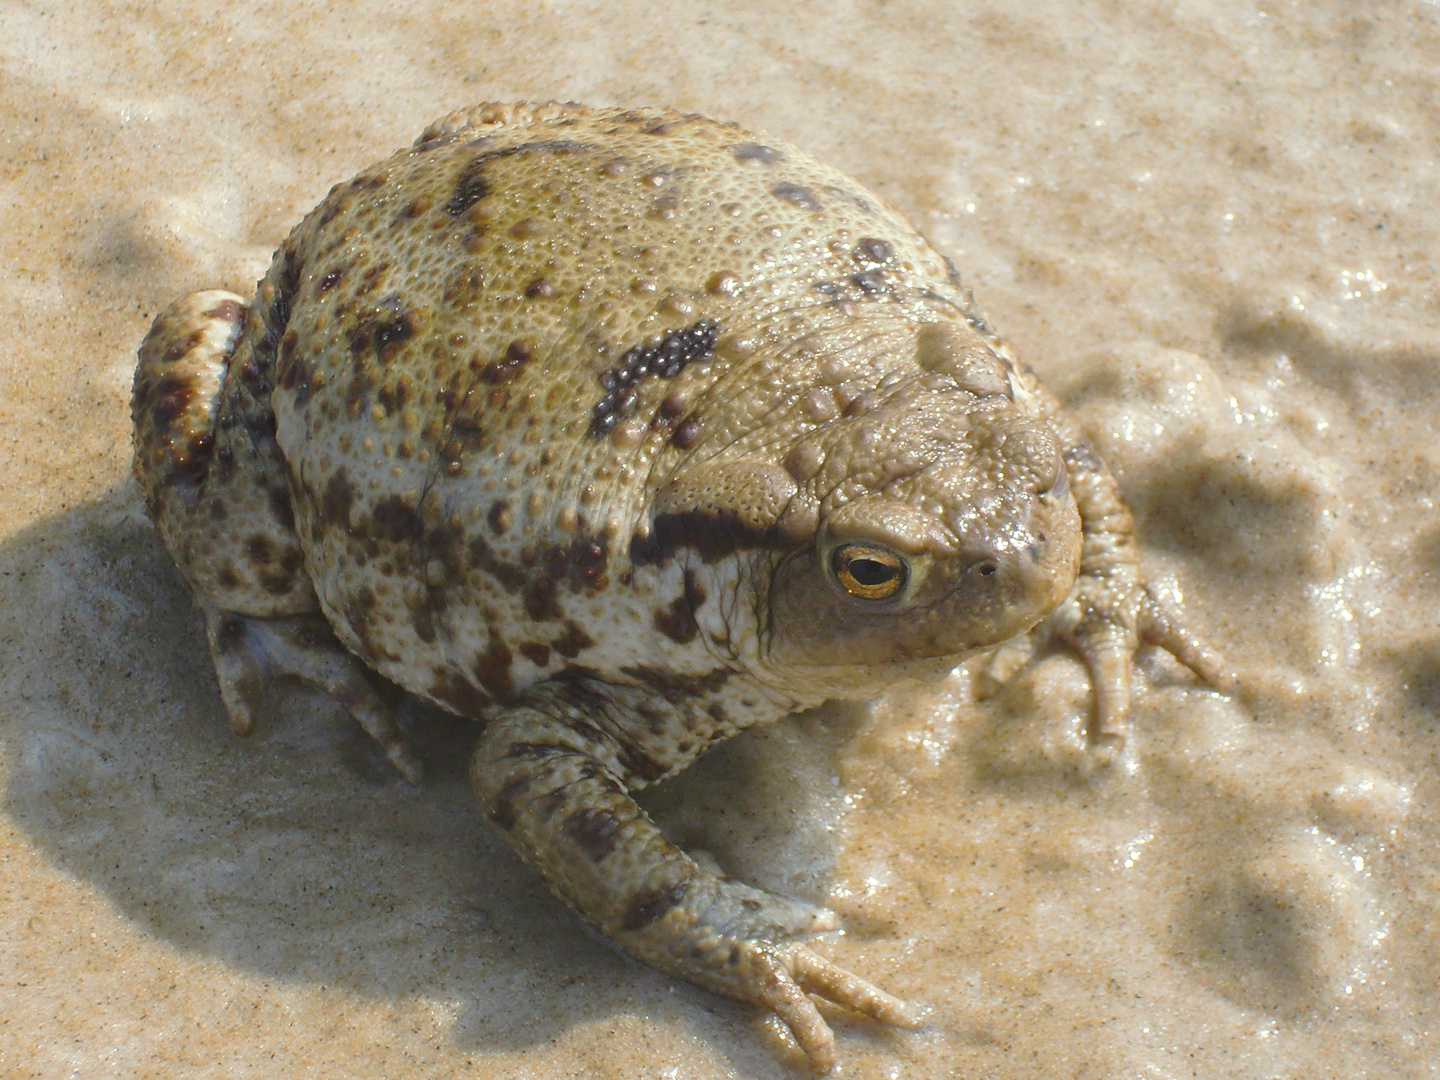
(623, 431)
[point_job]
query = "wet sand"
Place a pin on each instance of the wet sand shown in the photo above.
(1210, 226)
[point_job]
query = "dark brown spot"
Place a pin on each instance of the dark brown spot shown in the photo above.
(653, 903)
(572, 642)
(227, 576)
(584, 563)
(463, 286)
(356, 396)
(871, 282)
(676, 351)
(384, 331)
(677, 621)
(499, 517)
(277, 575)
(338, 498)
(540, 599)
(459, 694)
(178, 347)
(723, 282)
(746, 152)
(873, 251)
(226, 311)
(394, 519)
(330, 280)
(336, 203)
(422, 621)
(593, 832)
(502, 808)
(582, 566)
(664, 207)
(539, 289)
(447, 137)
(392, 396)
(492, 668)
(657, 721)
(171, 397)
(258, 548)
(278, 499)
(501, 371)
(796, 195)
(472, 185)
(483, 557)
(686, 435)
(587, 731)
(414, 208)
(465, 431)
(288, 373)
(537, 653)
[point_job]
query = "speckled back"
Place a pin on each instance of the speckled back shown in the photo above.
(502, 342)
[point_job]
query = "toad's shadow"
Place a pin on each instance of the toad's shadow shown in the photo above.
(297, 854)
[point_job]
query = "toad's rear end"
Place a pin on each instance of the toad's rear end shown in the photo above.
(216, 487)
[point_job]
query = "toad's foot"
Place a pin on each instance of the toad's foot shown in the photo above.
(1106, 627)
(250, 652)
(746, 943)
(553, 781)
(1112, 609)
(1106, 624)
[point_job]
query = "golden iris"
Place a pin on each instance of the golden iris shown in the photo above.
(871, 573)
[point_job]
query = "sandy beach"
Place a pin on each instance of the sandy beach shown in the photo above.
(1210, 226)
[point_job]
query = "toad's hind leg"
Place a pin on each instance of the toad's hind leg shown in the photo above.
(216, 487)
(556, 784)
(250, 653)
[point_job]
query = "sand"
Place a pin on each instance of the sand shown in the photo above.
(1210, 225)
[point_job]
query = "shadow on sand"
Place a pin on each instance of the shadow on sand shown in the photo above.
(297, 854)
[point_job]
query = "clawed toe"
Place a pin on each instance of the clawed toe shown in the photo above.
(1162, 625)
(789, 980)
(820, 977)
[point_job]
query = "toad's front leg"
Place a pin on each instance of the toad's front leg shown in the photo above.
(554, 783)
(1112, 609)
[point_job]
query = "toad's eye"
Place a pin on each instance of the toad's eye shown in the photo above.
(871, 573)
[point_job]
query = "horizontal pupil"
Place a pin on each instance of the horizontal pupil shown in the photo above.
(871, 572)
